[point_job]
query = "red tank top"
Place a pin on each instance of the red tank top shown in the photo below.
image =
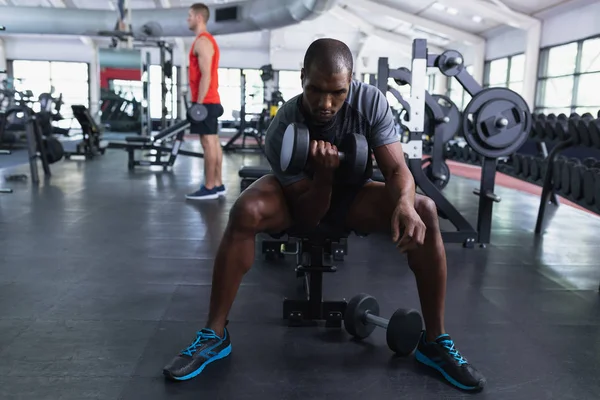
(212, 96)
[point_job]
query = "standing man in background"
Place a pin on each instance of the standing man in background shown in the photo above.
(204, 87)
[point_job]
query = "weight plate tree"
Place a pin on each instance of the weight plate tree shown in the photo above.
(492, 122)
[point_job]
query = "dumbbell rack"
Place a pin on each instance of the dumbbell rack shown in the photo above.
(450, 63)
(568, 176)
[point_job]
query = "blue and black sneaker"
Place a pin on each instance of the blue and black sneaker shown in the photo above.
(221, 190)
(206, 348)
(204, 194)
(443, 356)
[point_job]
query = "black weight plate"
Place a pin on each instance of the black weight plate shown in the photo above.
(594, 128)
(589, 162)
(356, 150)
(596, 173)
(565, 185)
(534, 168)
(404, 331)
(451, 111)
(464, 153)
(577, 181)
(439, 182)
(562, 128)
(557, 174)
(354, 320)
(551, 134)
(517, 161)
(294, 148)
(584, 132)
(488, 106)
(525, 171)
(589, 186)
(574, 130)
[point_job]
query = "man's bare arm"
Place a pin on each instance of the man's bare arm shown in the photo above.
(204, 51)
(398, 178)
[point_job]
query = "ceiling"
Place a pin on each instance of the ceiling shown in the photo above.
(356, 20)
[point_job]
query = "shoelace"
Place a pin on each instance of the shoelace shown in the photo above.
(449, 345)
(201, 337)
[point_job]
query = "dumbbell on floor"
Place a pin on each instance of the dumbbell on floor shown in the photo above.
(403, 329)
(354, 151)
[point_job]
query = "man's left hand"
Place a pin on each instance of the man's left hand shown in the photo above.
(406, 220)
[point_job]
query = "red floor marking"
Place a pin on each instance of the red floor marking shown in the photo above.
(474, 172)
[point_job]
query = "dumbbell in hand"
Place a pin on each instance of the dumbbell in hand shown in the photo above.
(197, 113)
(295, 149)
(403, 329)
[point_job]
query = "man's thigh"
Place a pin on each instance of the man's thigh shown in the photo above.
(372, 209)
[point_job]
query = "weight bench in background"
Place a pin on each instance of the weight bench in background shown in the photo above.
(312, 250)
(155, 144)
(91, 145)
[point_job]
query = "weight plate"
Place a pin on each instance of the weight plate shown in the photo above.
(440, 181)
(526, 167)
(449, 128)
(589, 186)
(450, 62)
(482, 120)
(294, 148)
(574, 130)
(562, 128)
(356, 150)
(354, 317)
(404, 331)
(517, 162)
(557, 174)
(596, 188)
(584, 133)
(594, 128)
(534, 169)
(577, 172)
(197, 113)
(565, 185)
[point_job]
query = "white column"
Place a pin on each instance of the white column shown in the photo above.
(479, 61)
(532, 55)
(2, 56)
(183, 83)
(94, 78)
(441, 84)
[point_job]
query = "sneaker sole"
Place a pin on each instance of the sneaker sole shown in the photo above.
(422, 358)
(224, 353)
(209, 197)
(223, 193)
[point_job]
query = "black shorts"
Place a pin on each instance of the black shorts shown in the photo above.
(210, 126)
(342, 197)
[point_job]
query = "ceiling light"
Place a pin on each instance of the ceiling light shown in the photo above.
(438, 6)
(477, 19)
(452, 11)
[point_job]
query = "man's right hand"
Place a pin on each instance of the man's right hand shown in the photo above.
(324, 157)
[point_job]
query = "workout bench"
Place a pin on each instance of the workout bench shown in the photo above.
(312, 250)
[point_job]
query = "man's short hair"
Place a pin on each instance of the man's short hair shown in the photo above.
(202, 9)
(328, 55)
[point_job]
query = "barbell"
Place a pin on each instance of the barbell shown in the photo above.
(295, 148)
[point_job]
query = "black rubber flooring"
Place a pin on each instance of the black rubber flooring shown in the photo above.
(105, 275)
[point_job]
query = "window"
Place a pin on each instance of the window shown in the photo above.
(69, 79)
(230, 92)
(506, 72)
(255, 98)
(569, 78)
(457, 93)
(289, 84)
(156, 93)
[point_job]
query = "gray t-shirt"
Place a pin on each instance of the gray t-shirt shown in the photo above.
(365, 112)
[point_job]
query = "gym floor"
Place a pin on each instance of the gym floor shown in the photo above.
(106, 275)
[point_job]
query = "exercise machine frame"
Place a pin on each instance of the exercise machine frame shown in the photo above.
(417, 78)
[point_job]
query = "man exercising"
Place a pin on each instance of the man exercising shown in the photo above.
(331, 106)
(204, 87)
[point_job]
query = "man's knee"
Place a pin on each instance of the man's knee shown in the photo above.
(259, 202)
(247, 212)
(427, 210)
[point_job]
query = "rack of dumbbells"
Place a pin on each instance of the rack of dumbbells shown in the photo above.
(572, 178)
